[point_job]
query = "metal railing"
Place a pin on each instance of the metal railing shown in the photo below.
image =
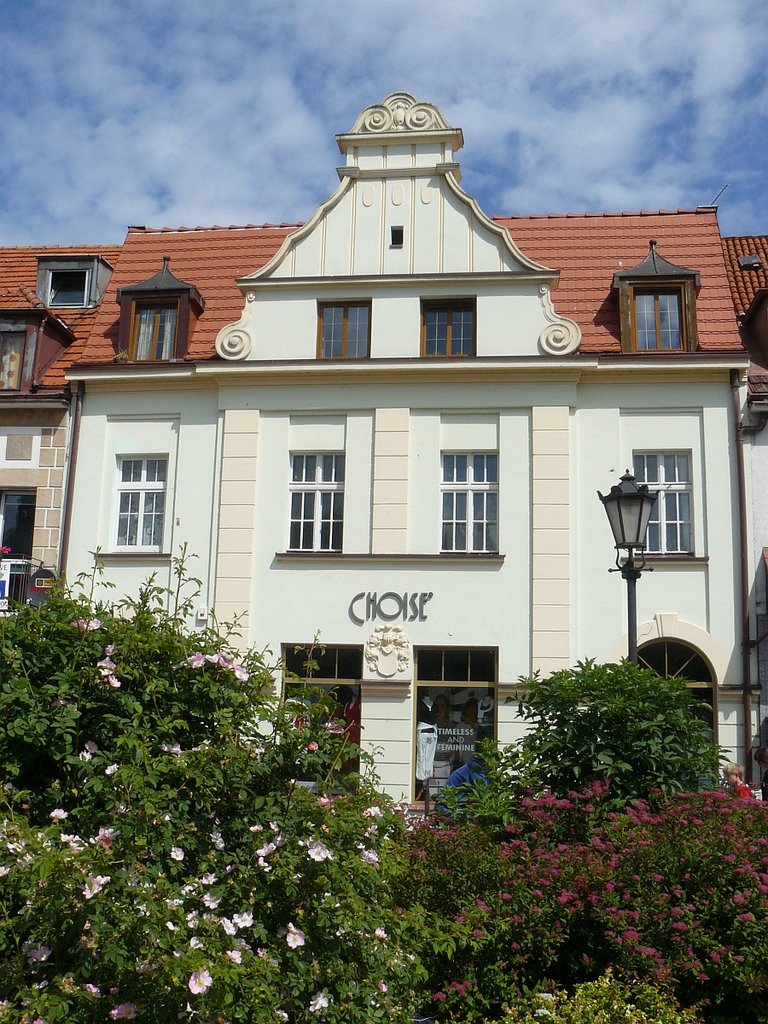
(17, 573)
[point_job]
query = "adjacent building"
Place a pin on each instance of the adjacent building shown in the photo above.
(746, 260)
(48, 298)
(381, 435)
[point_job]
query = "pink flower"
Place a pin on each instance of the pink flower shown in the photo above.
(123, 1011)
(235, 956)
(318, 851)
(294, 937)
(58, 814)
(312, 746)
(319, 1001)
(380, 933)
(94, 884)
(199, 982)
(373, 812)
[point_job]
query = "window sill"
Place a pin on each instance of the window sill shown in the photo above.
(399, 557)
(133, 556)
(675, 560)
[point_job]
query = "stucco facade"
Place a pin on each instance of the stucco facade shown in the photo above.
(327, 496)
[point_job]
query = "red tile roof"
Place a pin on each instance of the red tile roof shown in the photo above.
(745, 284)
(589, 248)
(18, 281)
(209, 258)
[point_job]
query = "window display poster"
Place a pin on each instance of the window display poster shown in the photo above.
(450, 723)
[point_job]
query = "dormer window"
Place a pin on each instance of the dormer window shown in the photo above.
(657, 305)
(153, 335)
(158, 317)
(658, 320)
(68, 288)
(73, 282)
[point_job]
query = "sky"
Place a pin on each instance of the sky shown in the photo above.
(200, 112)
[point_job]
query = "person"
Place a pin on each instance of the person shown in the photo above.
(442, 710)
(468, 774)
(464, 778)
(469, 713)
(761, 756)
(734, 777)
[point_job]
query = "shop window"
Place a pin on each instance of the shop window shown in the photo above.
(317, 503)
(455, 711)
(670, 526)
(448, 328)
(314, 669)
(470, 502)
(344, 330)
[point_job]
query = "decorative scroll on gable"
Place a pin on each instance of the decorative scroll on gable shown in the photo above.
(399, 112)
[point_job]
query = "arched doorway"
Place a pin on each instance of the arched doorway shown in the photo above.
(673, 659)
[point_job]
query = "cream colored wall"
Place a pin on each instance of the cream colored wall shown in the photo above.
(33, 452)
(547, 603)
(181, 425)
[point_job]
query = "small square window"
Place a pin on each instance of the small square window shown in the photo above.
(396, 234)
(68, 288)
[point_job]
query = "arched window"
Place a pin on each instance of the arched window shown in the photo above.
(675, 660)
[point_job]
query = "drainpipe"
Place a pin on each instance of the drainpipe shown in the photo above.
(747, 643)
(74, 438)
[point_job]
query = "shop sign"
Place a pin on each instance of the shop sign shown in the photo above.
(388, 607)
(5, 584)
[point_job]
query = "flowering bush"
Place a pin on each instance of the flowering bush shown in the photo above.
(604, 1001)
(676, 896)
(159, 859)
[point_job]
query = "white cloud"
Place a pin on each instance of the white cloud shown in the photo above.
(204, 112)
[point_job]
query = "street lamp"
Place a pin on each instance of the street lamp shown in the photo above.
(628, 507)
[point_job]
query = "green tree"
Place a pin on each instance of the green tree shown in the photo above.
(620, 723)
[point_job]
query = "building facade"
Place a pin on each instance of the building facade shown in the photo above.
(382, 433)
(48, 298)
(746, 260)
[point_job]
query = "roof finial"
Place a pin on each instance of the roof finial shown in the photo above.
(166, 264)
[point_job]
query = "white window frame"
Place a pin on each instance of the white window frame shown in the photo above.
(144, 488)
(316, 497)
(469, 493)
(668, 516)
(31, 463)
(68, 270)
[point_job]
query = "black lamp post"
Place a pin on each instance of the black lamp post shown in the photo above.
(628, 506)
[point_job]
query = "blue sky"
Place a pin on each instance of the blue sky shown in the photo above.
(189, 112)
